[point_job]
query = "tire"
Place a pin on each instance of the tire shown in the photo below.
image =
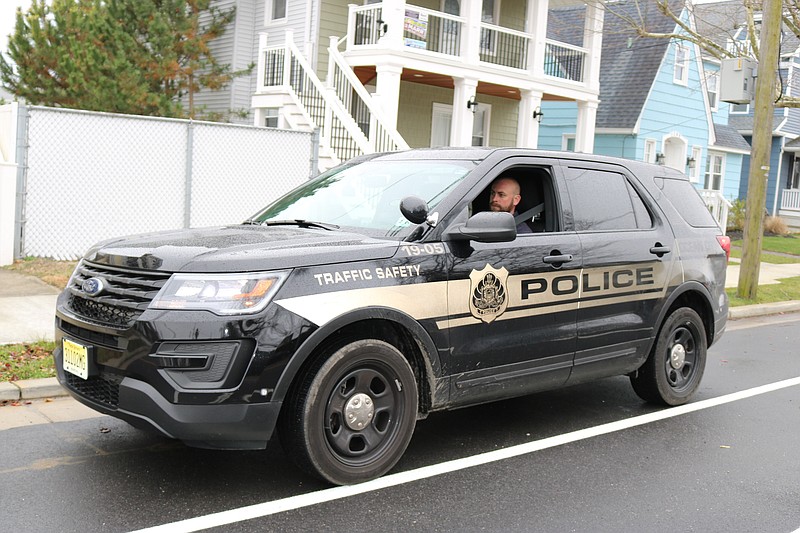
(673, 371)
(353, 414)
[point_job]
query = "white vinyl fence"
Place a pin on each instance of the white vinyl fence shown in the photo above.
(83, 177)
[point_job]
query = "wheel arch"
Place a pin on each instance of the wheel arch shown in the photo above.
(390, 325)
(695, 296)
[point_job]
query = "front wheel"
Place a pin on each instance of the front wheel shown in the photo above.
(675, 366)
(353, 414)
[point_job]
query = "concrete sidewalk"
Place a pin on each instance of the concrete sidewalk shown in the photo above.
(27, 313)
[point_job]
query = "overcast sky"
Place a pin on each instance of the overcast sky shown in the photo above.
(7, 10)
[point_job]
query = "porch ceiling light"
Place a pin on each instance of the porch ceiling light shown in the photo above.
(538, 114)
(472, 103)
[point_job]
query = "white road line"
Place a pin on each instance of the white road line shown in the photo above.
(336, 493)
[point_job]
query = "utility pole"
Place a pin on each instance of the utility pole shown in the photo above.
(764, 105)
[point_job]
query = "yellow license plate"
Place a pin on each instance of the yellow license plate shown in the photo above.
(76, 358)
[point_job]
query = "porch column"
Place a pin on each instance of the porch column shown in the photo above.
(584, 134)
(527, 126)
(593, 42)
(536, 25)
(471, 32)
(463, 117)
(393, 13)
(387, 91)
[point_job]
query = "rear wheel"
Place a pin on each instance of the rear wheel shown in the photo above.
(675, 367)
(353, 414)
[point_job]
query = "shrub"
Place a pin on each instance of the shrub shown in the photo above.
(736, 216)
(775, 226)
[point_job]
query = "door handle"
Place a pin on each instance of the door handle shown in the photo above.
(659, 249)
(557, 259)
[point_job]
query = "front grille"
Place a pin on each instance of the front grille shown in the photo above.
(126, 295)
(102, 389)
(95, 337)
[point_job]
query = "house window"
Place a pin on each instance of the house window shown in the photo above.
(480, 125)
(489, 13)
(681, 74)
(694, 172)
(271, 117)
(794, 179)
(442, 118)
(278, 10)
(568, 143)
(650, 151)
(712, 88)
(714, 171)
(740, 109)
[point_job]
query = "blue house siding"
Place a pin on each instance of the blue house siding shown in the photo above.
(675, 108)
(733, 175)
(619, 146)
(560, 118)
(774, 159)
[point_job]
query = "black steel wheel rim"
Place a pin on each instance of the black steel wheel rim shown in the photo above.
(358, 439)
(681, 358)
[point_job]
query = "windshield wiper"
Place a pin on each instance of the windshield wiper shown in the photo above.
(302, 223)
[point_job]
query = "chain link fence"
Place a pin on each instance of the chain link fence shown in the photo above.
(91, 176)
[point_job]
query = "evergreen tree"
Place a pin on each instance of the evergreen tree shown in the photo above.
(124, 56)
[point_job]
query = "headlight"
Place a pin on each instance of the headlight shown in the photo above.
(223, 294)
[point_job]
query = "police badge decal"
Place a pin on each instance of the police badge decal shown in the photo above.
(488, 299)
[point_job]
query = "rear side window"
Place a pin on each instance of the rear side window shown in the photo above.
(603, 201)
(687, 202)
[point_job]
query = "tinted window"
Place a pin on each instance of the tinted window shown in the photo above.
(687, 202)
(604, 200)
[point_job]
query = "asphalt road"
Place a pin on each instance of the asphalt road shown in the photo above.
(586, 458)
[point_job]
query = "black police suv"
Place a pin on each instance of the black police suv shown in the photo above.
(387, 288)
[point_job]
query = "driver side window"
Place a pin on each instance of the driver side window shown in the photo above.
(533, 206)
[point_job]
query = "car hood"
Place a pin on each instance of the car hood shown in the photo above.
(238, 249)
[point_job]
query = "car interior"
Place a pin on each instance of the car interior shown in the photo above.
(536, 205)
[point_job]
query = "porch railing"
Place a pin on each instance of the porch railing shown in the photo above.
(505, 47)
(427, 30)
(718, 205)
(790, 199)
(355, 99)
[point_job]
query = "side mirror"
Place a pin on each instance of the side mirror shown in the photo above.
(415, 209)
(486, 226)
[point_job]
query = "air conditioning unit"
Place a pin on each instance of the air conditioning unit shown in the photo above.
(737, 80)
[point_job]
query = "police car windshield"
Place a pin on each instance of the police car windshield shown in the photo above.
(368, 195)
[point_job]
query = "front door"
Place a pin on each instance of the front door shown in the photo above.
(511, 318)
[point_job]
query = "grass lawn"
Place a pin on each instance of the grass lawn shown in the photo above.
(55, 273)
(790, 244)
(27, 361)
(784, 290)
(767, 257)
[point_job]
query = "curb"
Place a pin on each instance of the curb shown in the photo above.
(31, 389)
(749, 311)
(37, 389)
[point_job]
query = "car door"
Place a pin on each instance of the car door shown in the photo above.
(513, 305)
(629, 256)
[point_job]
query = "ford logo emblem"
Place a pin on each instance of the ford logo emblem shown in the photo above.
(93, 286)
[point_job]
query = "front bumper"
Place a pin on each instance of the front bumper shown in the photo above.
(235, 426)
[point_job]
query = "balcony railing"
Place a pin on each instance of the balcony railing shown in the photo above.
(501, 46)
(790, 200)
(426, 30)
(718, 205)
(564, 61)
